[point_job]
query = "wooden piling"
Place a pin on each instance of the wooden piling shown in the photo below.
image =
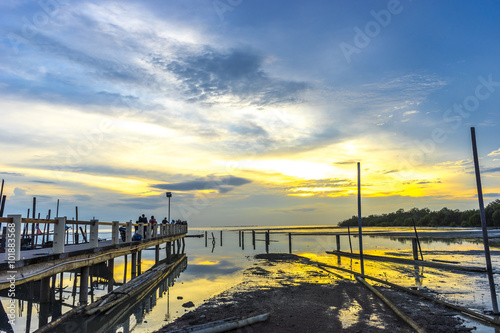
(33, 245)
(415, 248)
(111, 279)
(267, 241)
(239, 238)
(242, 240)
(206, 239)
(157, 254)
(489, 268)
(139, 263)
(133, 264)
(289, 242)
(125, 270)
(220, 238)
(253, 239)
(169, 252)
(337, 237)
(77, 237)
(360, 224)
(84, 285)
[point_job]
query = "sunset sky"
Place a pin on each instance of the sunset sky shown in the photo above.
(249, 112)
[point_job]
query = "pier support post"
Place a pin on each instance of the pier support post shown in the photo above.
(59, 229)
(139, 263)
(17, 220)
(133, 264)
(43, 318)
(169, 252)
(157, 254)
(239, 238)
(242, 240)
(128, 237)
(111, 279)
(253, 239)
(415, 248)
(206, 239)
(116, 233)
(338, 242)
(94, 234)
(84, 285)
(220, 238)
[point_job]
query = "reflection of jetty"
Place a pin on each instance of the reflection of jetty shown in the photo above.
(26, 265)
(115, 310)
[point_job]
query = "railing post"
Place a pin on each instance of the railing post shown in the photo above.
(59, 230)
(128, 237)
(141, 230)
(16, 220)
(94, 234)
(148, 231)
(115, 233)
(155, 230)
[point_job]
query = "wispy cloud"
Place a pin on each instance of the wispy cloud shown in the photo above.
(221, 184)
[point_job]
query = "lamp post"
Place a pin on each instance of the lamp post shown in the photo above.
(169, 195)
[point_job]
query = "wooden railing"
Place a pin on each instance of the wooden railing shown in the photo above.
(14, 235)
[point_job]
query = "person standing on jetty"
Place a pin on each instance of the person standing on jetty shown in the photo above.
(165, 221)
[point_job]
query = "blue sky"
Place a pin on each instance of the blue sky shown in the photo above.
(250, 112)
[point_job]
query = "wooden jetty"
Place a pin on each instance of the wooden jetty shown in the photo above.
(23, 266)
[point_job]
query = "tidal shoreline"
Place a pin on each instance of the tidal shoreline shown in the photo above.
(303, 298)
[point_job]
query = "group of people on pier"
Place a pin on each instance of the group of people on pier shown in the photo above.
(152, 220)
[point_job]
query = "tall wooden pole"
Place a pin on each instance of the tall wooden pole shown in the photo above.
(483, 223)
(33, 245)
(360, 225)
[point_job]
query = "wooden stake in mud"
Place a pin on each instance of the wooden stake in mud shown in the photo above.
(349, 233)
(289, 242)
(483, 223)
(360, 223)
(1, 201)
(33, 245)
(418, 240)
(76, 229)
(2, 206)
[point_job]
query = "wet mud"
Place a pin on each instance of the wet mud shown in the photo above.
(302, 298)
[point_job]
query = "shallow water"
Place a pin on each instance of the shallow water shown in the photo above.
(213, 267)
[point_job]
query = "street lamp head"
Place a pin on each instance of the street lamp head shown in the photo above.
(169, 194)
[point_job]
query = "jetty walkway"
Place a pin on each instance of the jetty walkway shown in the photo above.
(19, 265)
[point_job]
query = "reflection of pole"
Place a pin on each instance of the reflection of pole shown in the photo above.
(360, 223)
(483, 223)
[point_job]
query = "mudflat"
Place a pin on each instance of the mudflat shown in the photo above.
(301, 297)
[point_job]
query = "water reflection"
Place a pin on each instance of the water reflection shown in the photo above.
(128, 315)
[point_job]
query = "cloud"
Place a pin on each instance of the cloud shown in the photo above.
(19, 192)
(222, 184)
(495, 153)
(297, 210)
(211, 74)
(82, 197)
(490, 170)
(11, 173)
(43, 182)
